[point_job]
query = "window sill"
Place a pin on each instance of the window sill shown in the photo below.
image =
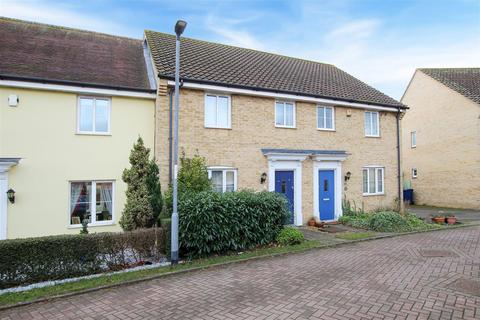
(372, 136)
(285, 127)
(221, 128)
(93, 134)
(322, 129)
(79, 226)
(373, 194)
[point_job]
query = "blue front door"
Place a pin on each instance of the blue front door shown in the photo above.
(284, 185)
(326, 194)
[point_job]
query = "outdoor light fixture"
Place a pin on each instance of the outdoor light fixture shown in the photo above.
(347, 176)
(263, 178)
(179, 28)
(11, 195)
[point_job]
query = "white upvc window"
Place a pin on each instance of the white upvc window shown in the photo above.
(93, 115)
(284, 114)
(372, 124)
(414, 172)
(413, 139)
(92, 201)
(325, 118)
(223, 179)
(373, 180)
(217, 111)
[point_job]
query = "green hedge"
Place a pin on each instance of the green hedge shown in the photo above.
(212, 222)
(31, 260)
(290, 236)
(386, 221)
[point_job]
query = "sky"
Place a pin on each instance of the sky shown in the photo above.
(381, 42)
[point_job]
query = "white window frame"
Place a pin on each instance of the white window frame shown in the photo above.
(413, 139)
(95, 98)
(325, 118)
(284, 102)
(229, 120)
(414, 173)
(376, 168)
(378, 123)
(93, 201)
(224, 176)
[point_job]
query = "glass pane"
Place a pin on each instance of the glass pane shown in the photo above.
(222, 112)
(217, 181)
(371, 178)
(321, 118)
(365, 181)
(368, 124)
(414, 138)
(289, 110)
(101, 115)
(379, 180)
(328, 118)
(325, 185)
(104, 201)
(283, 187)
(374, 124)
(211, 111)
(230, 181)
(86, 115)
(80, 202)
(279, 114)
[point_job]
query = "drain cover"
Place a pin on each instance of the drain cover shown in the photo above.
(434, 253)
(467, 286)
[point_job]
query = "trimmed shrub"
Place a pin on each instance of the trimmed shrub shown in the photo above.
(212, 222)
(166, 224)
(290, 236)
(31, 260)
(387, 221)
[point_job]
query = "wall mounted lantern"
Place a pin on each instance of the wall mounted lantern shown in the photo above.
(263, 178)
(11, 195)
(347, 176)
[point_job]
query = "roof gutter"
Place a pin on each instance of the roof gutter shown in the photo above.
(73, 83)
(282, 95)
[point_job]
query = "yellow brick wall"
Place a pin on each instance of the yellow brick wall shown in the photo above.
(253, 128)
(447, 155)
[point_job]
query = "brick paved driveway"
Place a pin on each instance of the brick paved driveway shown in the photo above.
(424, 276)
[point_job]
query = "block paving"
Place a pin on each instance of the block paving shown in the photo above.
(380, 279)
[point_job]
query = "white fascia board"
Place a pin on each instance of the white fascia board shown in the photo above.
(286, 156)
(76, 89)
(275, 95)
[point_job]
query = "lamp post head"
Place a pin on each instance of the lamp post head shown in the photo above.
(180, 27)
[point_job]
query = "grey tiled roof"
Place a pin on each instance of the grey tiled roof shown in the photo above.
(36, 52)
(465, 81)
(304, 151)
(219, 64)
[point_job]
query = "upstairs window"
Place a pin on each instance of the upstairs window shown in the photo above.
(373, 181)
(223, 180)
(372, 127)
(325, 118)
(93, 115)
(413, 138)
(285, 114)
(217, 111)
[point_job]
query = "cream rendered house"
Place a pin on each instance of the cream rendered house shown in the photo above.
(441, 137)
(72, 103)
(270, 122)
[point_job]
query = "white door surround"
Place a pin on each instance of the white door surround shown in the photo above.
(328, 163)
(281, 162)
(5, 165)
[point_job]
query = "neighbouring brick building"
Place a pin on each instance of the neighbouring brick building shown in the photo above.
(441, 134)
(270, 122)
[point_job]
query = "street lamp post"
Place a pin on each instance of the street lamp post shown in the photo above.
(179, 28)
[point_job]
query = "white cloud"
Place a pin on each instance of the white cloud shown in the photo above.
(54, 13)
(355, 29)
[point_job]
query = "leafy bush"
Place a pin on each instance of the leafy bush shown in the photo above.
(386, 221)
(212, 222)
(290, 236)
(154, 189)
(30, 260)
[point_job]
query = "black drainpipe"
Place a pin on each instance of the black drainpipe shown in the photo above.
(398, 162)
(170, 135)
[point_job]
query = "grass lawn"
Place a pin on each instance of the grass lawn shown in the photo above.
(354, 235)
(34, 294)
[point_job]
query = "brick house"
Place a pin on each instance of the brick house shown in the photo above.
(270, 122)
(441, 134)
